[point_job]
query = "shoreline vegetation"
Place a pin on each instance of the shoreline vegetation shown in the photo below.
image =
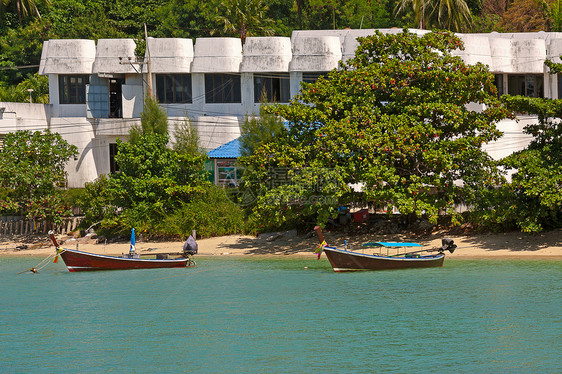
(546, 245)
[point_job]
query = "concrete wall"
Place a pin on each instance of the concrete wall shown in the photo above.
(24, 116)
(67, 56)
(116, 56)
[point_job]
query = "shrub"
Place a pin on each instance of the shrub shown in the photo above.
(210, 214)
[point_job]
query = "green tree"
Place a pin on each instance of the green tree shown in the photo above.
(554, 12)
(453, 15)
(366, 14)
(153, 179)
(20, 51)
(130, 16)
(153, 121)
(301, 7)
(186, 19)
(20, 93)
(245, 18)
(531, 201)
(76, 19)
(32, 166)
(394, 119)
(24, 8)
(418, 7)
(186, 138)
(258, 130)
(97, 202)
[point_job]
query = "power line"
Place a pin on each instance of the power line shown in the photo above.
(18, 67)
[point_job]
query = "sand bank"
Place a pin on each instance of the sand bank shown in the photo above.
(512, 245)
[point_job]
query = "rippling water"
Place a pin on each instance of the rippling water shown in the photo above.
(272, 315)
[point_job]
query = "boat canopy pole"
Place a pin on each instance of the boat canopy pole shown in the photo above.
(446, 245)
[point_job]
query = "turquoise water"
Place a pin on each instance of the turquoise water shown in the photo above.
(271, 315)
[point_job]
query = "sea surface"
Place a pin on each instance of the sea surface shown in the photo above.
(282, 315)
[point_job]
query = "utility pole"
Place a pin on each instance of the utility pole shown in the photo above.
(149, 80)
(422, 21)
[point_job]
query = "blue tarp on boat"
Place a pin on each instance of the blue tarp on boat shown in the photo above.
(391, 244)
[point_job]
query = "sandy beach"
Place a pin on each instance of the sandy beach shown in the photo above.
(547, 245)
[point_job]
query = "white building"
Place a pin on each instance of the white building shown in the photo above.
(97, 91)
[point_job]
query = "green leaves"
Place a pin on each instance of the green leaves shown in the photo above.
(32, 166)
(394, 120)
(258, 130)
(153, 180)
(244, 18)
(532, 200)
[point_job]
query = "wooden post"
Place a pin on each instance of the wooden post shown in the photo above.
(318, 230)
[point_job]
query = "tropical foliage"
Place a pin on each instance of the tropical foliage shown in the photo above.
(32, 169)
(159, 189)
(258, 130)
(23, 8)
(245, 18)
(453, 15)
(393, 119)
(34, 89)
(531, 201)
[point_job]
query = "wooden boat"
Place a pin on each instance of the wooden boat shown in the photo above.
(345, 260)
(76, 260)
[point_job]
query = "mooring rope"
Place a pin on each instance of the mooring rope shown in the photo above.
(42, 264)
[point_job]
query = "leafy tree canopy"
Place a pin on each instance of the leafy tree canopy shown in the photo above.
(38, 83)
(453, 15)
(153, 179)
(32, 166)
(395, 119)
(153, 121)
(24, 8)
(526, 16)
(245, 18)
(532, 200)
(258, 130)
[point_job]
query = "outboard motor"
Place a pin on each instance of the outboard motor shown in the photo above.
(190, 246)
(447, 245)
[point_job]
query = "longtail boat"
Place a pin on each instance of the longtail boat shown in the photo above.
(346, 260)
(76, 260)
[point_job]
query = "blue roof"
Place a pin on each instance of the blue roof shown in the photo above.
(228, 150)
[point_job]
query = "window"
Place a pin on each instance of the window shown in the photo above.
(228, 173)
(173, 88)
(113, 167)
(311, 77)
(526, 85)
(72, 89)
(274, 86)
(498, 81)
(115, 98)
(222, 88)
